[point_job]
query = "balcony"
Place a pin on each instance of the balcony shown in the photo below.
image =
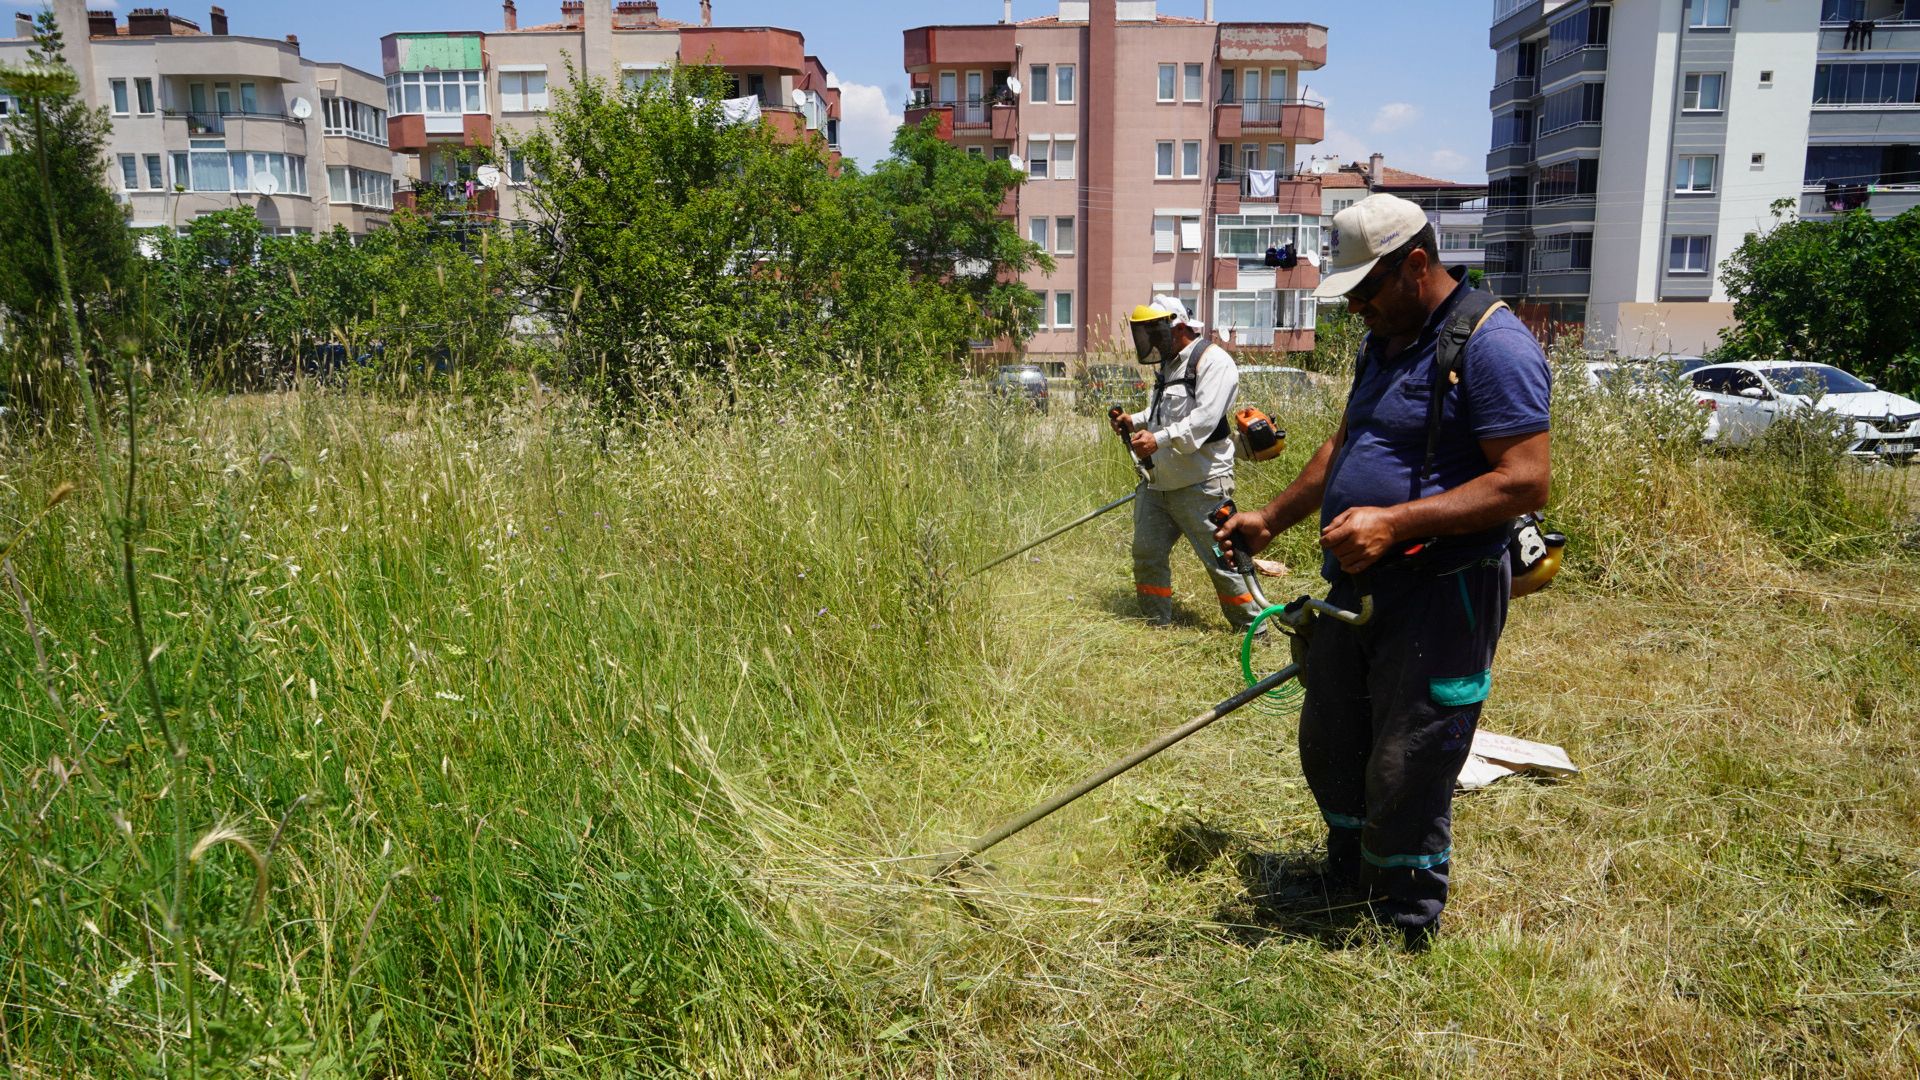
(1508, 285)
(1293, 193)
(995, 116)
(1582, 136)
(412, 132)
(1572, 211)
(1889, 35)
(1303, 45)
(1508, 219)
(1510, 156)
(1276, 338)
(447, 198)
(1294, 119)
(1882, 201)
(1562, 282)
(1592, 58)
(958, 46)
(942, 114)
(1513, 91)
(758, 48)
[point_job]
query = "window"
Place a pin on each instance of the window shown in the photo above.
(1708, 14)
(1190, 232)
(360, 187)
(1459, 239)
(1163, 160)
(637, 77)
(523, 91)
(1695, 174)
(1513, 128)
(437, 93)
(1703, 91)
(1758, 161)
(249, 99)
(1039, 152)
(1567, 181)
(1063, 156)
(1584, 29)
(353, 120)
(1247, 237)
(977, 152)
(1065, 73)
(1190, 159)
(1168, 73)
(156, 176)
(143, 94)
(1062, 309)
(1766, 79)
(1063, 236)
(208, 165)
(1688, 255)
(1342, 204)
(1583, 104)
(1037, 76)
(120, 106)
(1195, 87)
(1562, 252)
(129, 173)
(1229, 84)
(1037, 231)
(1256, 316)
(1162, 235)
(1866, 84)
(516, 167)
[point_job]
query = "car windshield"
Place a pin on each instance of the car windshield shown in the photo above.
(1806, 380)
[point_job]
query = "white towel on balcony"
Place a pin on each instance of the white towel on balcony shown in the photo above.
(1260, 183)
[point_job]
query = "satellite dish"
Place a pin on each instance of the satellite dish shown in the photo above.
(799, 97)
(1013, 85)
(1226, 334)
(301, 108)
(1015, 161)
(264, 184)
(489, 177)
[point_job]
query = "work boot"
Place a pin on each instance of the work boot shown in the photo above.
(1297, 884)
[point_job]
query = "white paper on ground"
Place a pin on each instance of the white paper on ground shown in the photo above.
(1494, 756)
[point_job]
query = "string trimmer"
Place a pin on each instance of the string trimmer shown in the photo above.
(1145, 471)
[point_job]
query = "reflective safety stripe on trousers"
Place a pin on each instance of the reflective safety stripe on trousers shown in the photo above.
(1154, 590)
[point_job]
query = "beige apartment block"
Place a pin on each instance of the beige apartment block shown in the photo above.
(206, 120)
(452, 92)
(1162, 156)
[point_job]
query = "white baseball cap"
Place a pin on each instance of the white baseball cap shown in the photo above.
(1363, 233)
(1175, 307)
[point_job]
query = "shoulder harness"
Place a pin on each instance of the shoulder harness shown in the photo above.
(1191, 380)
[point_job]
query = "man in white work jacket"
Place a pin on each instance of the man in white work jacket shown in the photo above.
(1183, 437)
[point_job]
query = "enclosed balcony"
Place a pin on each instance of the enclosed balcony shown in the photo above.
(960, 46)
(1236, 190)
(1302, 45)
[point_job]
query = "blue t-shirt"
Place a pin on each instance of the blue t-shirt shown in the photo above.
(1503, 392)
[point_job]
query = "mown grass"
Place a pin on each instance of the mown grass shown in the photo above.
(574, 751)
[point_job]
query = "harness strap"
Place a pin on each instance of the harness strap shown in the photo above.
(1191, 380)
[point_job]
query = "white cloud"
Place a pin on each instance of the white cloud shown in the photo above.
(1447, 160)
(1393, 116)
(867, 123)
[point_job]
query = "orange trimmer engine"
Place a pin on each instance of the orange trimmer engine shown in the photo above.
(1256, 436)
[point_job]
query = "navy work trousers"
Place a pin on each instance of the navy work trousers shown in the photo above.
(1388, 722)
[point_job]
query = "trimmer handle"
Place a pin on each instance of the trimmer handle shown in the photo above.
(1242, 563)
(1115, 412)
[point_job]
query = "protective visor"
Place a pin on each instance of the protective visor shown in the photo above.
(1153, 337)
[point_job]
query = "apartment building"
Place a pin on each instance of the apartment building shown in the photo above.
(205, 119)
(449, 92)
(1160, 153)
(1863, 138)
(1636, 144)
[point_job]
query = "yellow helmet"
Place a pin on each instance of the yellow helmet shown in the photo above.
(1149, 313)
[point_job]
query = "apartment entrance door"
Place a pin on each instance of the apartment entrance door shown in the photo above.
(976, 110)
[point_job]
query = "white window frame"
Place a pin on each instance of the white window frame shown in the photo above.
(470, 83)
(1040, 231)
(1191, 238)
(1193, 82)
(1066, 234)
(1039, 83)
(1066, 156)
(1699, 11)
(155, 168)
(144, 101)
(1169, 84)
(1066, 86)
(1693, 89)
(1163, 159)
(1686, 177)
(1190, 159)
(1304, 231)
(121, 93)
(1680, 261)
(517, 93)
(1165, 231)
(129, 172)
(1060, 295)
(1039, 157)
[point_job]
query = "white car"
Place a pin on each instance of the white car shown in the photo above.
(1744, 398)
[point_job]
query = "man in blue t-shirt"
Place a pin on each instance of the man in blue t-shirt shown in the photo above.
(1391, 706)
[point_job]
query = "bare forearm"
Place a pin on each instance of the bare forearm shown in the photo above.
(1302, 497)
(1477, 505)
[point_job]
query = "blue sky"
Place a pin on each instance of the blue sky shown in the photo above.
(1406, 78)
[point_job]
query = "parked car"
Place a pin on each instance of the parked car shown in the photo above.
(1640, 375)
(1745, 398)
(1103, 385)
(1023, 379)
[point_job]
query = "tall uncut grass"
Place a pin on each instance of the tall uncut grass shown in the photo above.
(521, 745)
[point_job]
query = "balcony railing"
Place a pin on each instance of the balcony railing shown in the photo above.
(214, 123)
(1267, 112)
(968, 111)
(1240, 174)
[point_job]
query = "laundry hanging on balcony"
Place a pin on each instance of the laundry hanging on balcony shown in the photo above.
(740, 110)
(1260, 183)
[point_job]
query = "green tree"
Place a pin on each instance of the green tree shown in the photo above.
(54, 125)
(1842, 292)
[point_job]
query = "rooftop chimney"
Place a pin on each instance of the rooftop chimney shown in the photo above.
(634, 14)
(144, 22)
(511, 16)
(1006, 13)
(1376, 166)
(99, 24)
(294, 40)
(22, 24)
(706, 12)
(573, 13)
(1209, 10)
(217, 22)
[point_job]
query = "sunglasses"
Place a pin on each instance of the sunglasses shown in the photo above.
(1371, 285)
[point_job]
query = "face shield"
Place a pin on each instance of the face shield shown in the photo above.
(1153, 341)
